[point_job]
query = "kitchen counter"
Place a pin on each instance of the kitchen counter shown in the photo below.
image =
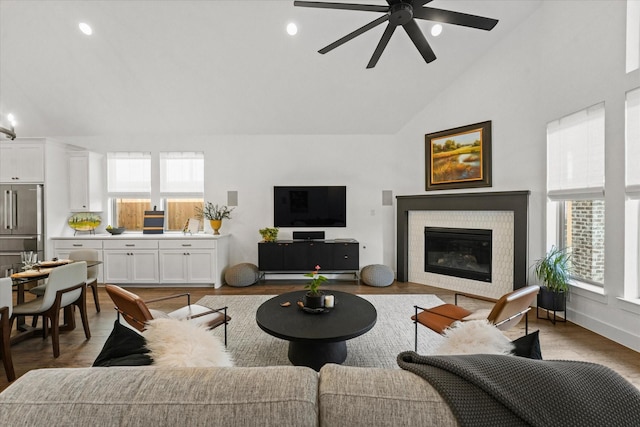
(134, 236)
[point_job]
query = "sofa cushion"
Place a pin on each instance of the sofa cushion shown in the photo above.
(148, 396)
(124, 347)
(351, 396)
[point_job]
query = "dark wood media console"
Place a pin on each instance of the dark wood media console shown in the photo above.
(291, 256)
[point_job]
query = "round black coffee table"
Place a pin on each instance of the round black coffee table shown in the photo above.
(316, 339)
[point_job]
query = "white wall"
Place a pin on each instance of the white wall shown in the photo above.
(568, 55)
(252, 165)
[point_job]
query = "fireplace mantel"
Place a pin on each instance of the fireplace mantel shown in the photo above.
(515, 201)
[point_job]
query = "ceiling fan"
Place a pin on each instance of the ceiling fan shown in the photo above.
(402, 12)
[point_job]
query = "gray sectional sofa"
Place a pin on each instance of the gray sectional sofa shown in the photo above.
(269, 396)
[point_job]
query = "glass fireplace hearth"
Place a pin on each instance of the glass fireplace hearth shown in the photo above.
(458, 252)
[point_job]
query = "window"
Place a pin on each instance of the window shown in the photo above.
(632, 204)
(583, 236)
(633, 35)
(181, 186)
(632, 137)
(575, 188)
(129, 188)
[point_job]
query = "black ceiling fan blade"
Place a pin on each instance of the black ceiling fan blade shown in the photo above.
(456, 18)
(388, 32)
(347, 6)
(414, 3)
(355, 33)
(419, 41)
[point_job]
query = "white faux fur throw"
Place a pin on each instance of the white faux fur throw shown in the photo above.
(474, 337)
(180, 343)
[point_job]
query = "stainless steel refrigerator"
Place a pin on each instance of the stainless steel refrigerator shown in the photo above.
(21, 224)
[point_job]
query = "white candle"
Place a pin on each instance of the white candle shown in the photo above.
(328, 301)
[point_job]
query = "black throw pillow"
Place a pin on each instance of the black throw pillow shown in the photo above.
(528, 346)
(124, 347)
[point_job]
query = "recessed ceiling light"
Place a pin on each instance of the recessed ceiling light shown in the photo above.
(292, 29)
(85, 28)
(436, 30)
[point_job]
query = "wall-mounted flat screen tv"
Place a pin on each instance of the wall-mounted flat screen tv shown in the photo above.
(315, 206)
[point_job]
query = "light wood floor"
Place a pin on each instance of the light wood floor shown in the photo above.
(559, 341)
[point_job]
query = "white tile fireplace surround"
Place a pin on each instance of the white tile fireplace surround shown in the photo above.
(500, 222)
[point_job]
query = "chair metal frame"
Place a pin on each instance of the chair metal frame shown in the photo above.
(497, 309)
(140, 305)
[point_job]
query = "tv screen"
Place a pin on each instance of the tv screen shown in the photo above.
(318, 206)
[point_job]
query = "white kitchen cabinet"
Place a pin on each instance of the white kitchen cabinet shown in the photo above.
(85, 181)
(130, 261)
(21, 163)
(167, 259)
(187, 261)
(132, 266)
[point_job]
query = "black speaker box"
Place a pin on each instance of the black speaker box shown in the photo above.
(308, 235)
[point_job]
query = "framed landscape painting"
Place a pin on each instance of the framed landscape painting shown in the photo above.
(459, 157)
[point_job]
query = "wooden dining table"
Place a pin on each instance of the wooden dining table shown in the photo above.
(40, 272)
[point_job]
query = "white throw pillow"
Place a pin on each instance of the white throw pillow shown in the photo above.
(473, 337)
(180, 343)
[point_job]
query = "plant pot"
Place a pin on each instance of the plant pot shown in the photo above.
(552, 300)
(215, 224)
(313, 300)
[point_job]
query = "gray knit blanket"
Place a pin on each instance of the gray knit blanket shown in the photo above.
(497, 390)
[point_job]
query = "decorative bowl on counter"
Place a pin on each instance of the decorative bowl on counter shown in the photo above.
(116, 230)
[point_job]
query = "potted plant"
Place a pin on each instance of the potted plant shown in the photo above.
(215, 214)
(553, 271)
(314, 298)
(269, 234)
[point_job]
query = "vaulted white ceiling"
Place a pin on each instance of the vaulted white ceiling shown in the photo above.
(223, 67)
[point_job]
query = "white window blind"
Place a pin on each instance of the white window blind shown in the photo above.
(129, 172)
(575, 155)
(633, 35)
(632, 138)
(181, 172)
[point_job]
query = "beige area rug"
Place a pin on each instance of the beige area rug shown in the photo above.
(393, 332)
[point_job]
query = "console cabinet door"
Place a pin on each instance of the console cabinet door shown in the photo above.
(295, 257)
(346, 256)
(319, 253)
(270, 256)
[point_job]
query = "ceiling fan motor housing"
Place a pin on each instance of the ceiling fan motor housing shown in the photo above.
(400, 13)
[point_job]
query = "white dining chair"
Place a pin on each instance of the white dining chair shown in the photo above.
(66, 286)
(6, 309)
(92, 274)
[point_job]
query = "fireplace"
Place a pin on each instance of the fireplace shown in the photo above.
(458, 252)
